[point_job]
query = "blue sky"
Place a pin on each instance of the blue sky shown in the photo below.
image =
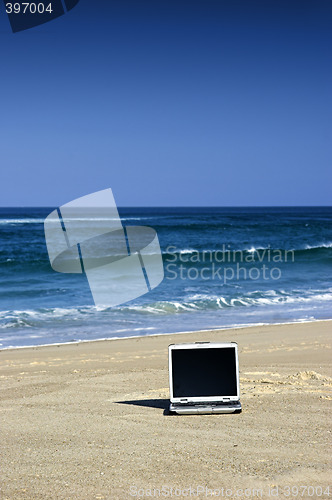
(169, 103)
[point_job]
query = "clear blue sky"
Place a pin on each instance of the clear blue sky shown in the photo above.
(177, 102)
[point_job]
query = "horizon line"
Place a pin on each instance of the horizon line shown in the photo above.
(184, 206)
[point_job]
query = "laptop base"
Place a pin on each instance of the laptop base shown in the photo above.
(205, 409)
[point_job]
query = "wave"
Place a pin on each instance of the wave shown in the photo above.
(228, 248)
(30, 261)
(261, 251)
(41, 221)
(322, 245)
(21, 221)
(196, 302)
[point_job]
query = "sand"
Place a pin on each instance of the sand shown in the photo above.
(90, 421)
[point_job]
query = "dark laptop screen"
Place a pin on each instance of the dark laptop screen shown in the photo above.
(204, 372)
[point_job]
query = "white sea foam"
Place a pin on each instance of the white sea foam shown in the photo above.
(21, 221)
(322, 245)
(256, 249)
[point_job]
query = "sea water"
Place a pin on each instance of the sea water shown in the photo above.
(223, 267)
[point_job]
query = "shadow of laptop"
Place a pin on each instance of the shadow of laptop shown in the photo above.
(162, 404)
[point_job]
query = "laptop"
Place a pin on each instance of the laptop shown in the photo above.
(204, 378)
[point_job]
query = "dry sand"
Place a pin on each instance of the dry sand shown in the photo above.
(89, 420)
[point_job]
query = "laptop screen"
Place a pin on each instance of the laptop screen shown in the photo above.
(204, 372)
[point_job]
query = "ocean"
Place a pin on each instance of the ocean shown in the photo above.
(224, 267)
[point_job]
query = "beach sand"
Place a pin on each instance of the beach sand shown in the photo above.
(89, 420)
